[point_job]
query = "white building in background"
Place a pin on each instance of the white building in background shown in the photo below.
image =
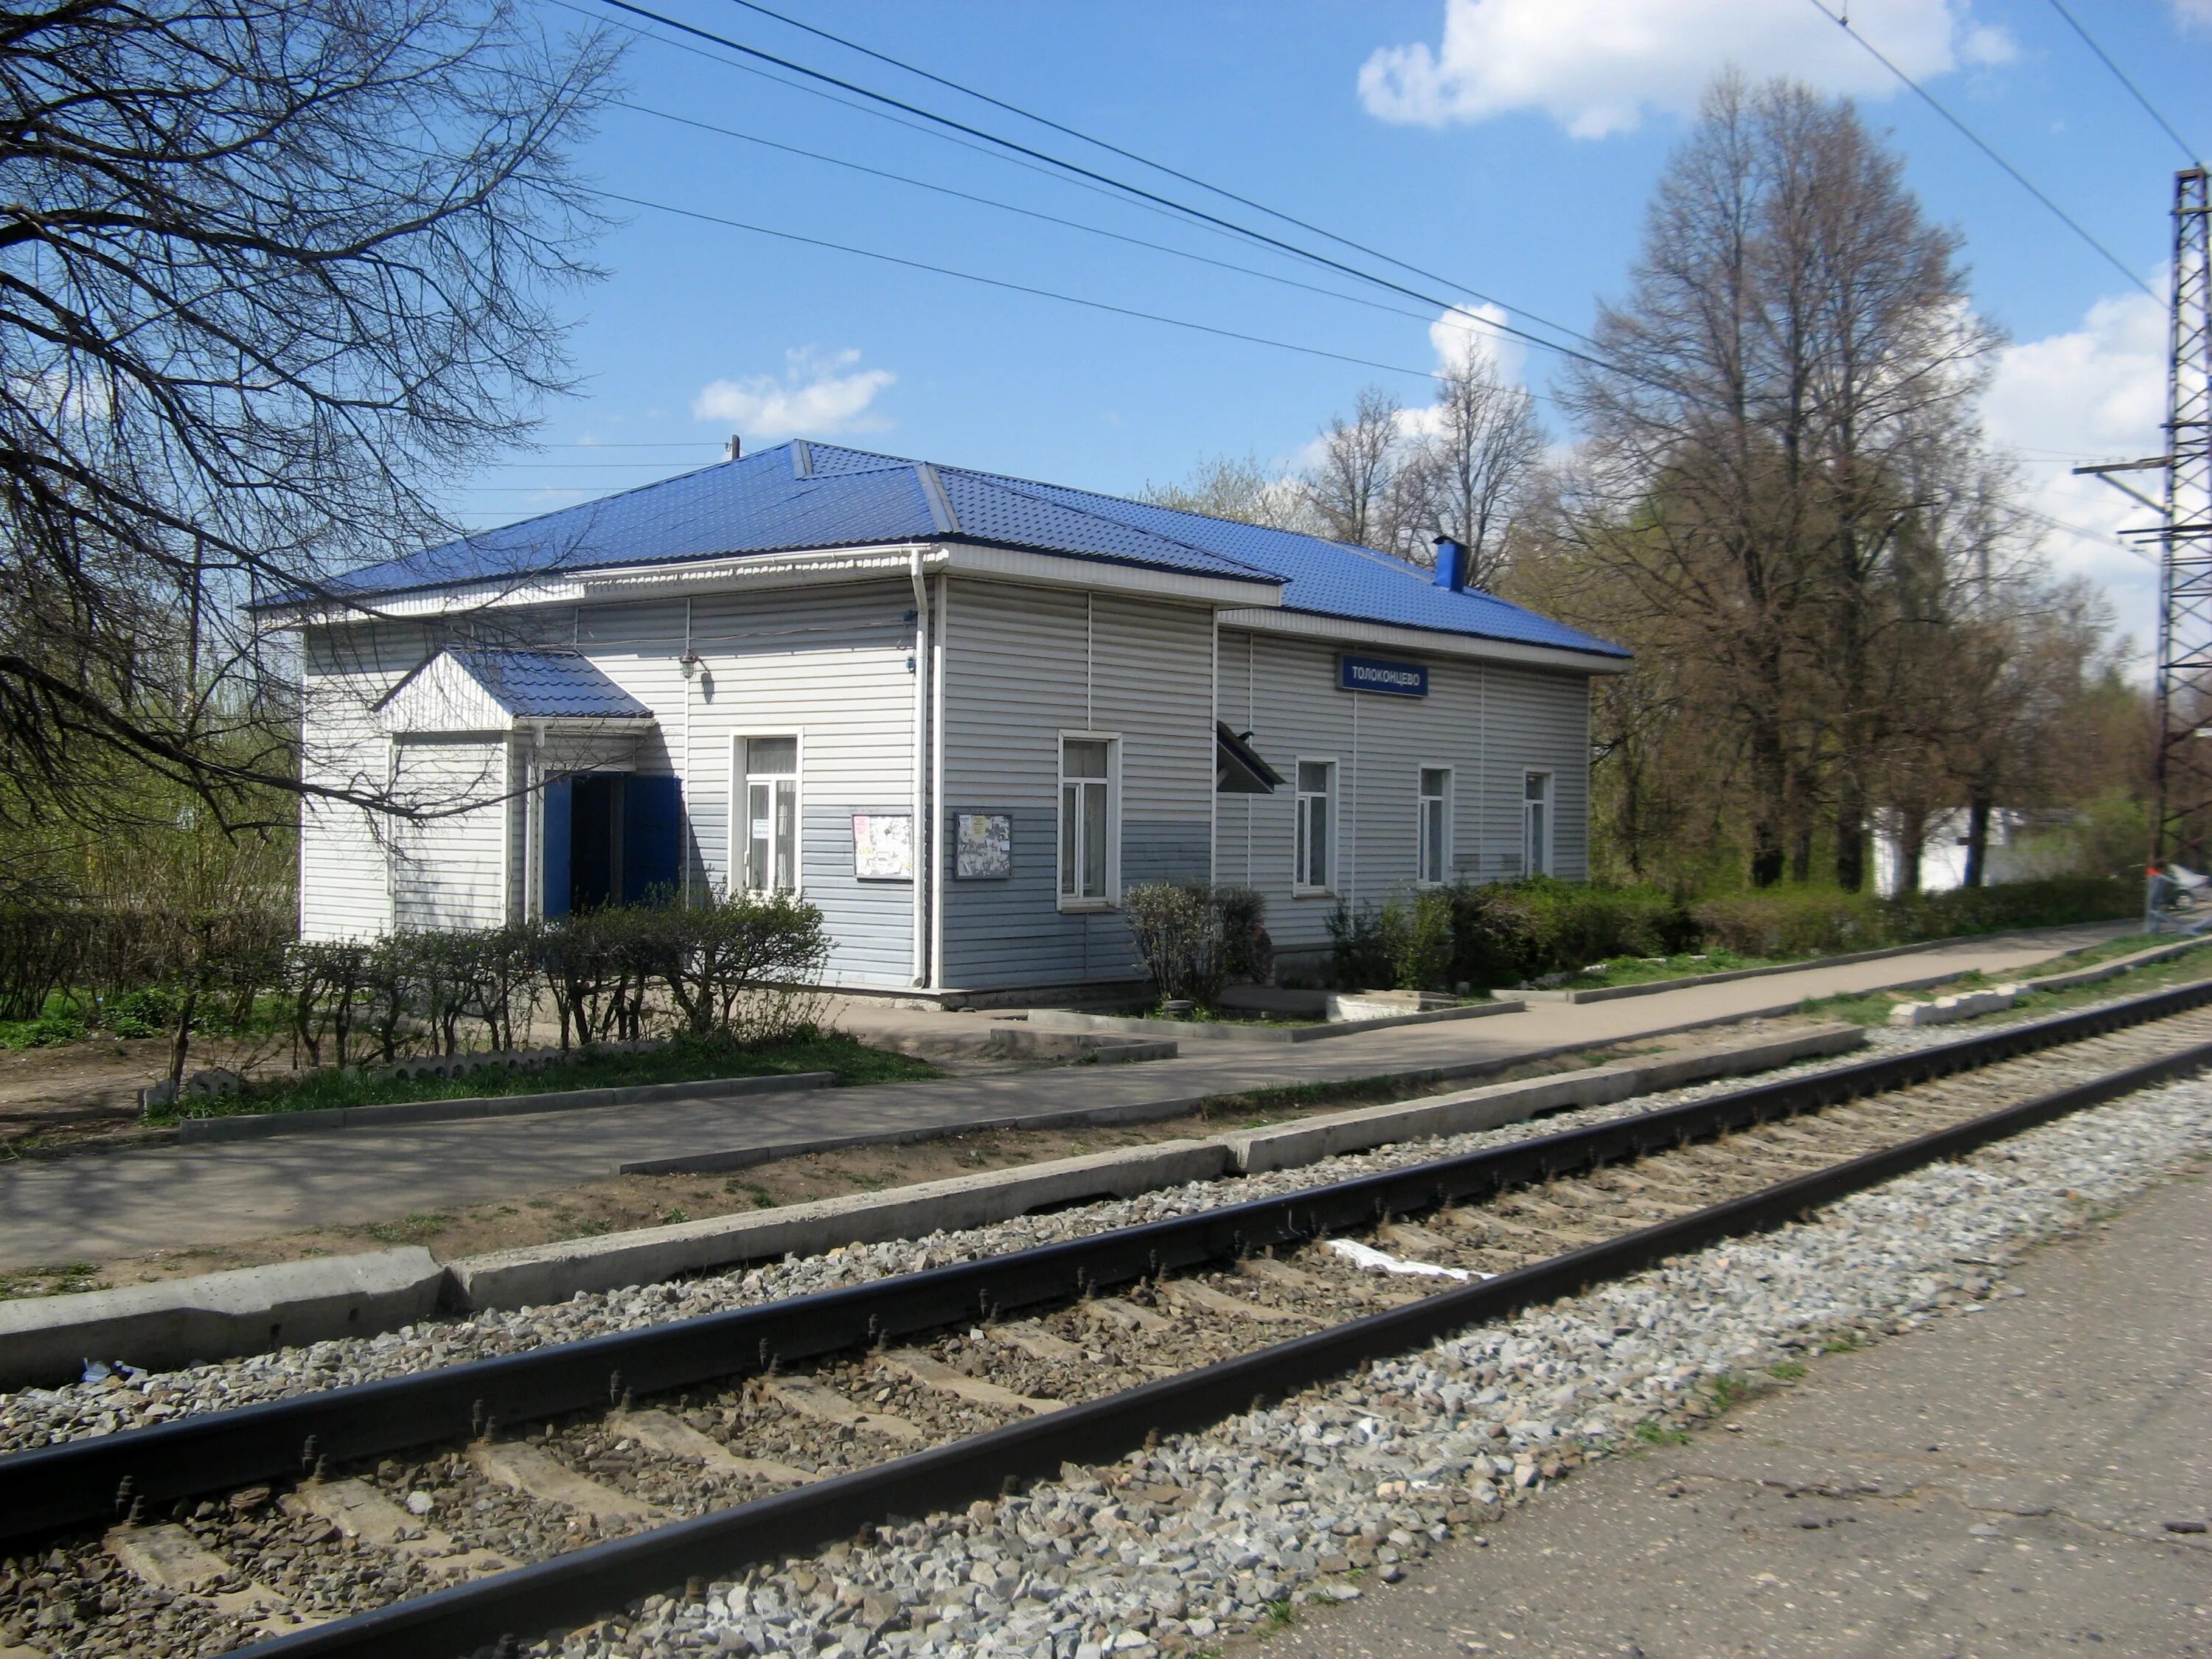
(1943, 854)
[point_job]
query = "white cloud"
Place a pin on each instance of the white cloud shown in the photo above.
(815, 398)
(1599, 66)
(2097, 392)
(2193, 13)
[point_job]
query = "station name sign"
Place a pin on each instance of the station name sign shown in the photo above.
(1396, 679)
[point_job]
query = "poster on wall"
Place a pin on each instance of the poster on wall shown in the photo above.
(982, 846)
(882, 846)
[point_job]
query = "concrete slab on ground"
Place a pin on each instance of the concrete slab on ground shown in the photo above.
(121, 1203)
(1989, 1485)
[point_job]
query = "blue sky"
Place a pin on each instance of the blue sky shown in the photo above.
(1506, 145)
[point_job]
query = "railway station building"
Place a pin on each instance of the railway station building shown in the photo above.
(960, 713)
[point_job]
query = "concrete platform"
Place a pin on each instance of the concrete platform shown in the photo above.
(1995, 1485)
(122, 1202)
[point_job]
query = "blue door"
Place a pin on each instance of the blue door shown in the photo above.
(556, 895)
(653, 817)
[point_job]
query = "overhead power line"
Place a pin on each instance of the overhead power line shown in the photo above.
(1135, 192)
(1011, 207)
(1112, 148)
(2188, 152)
(1005, 285)
(1971, 138)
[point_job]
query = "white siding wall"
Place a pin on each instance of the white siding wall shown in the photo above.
(1486, 722)
(1023, 664)
(344, 886)
(828, 667)
(449, 867)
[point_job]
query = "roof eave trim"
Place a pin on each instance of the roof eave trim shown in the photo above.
(1353, 630)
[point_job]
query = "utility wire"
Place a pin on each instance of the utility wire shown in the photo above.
(2188, 151)
(1135, 190)
(1024, 212)
(1144, 161)
(1013, 287)
(1967, 132)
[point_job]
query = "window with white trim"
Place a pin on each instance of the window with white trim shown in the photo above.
(1086, 821)
(767, 828)
(1433, 862)
(1536, 824)
(1316, 827)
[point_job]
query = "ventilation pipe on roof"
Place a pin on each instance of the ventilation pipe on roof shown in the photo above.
(734, 448)
(1451, 565)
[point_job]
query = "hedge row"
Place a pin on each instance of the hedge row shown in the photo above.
(736, 967)
(1512, 933)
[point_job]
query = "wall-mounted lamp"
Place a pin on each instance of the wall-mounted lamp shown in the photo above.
(690, 662)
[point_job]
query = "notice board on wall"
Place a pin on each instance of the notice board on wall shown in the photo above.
(882, 846)
(982, 846)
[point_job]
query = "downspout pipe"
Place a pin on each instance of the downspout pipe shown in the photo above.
(921, 836)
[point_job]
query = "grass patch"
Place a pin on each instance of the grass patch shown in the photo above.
(409, 1229)
(1846, 1343)
(1644, 971)
(1873, 1008)
(1279, 1615)
(682, 1061)
(63, 1279)
(1658, 1434)
(1789, 1370)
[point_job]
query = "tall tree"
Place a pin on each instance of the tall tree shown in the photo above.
(1793, 334)
(272, 272)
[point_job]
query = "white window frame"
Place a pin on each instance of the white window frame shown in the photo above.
(1112, 897)
(740, 837)
(1300, 888)
(1421, 877)
(1536, 850)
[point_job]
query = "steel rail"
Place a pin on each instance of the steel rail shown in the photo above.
(102, 1478)
(576, 1587)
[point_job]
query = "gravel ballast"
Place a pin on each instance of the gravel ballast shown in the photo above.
(1208, 1536)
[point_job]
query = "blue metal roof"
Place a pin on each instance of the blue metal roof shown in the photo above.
(545, 685)
(808, 495)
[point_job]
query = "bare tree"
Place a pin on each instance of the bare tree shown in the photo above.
(1353, 490)
(271, 273)
(1236, 487)
(1480, 461)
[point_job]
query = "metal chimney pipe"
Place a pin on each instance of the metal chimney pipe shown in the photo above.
(1451, 565)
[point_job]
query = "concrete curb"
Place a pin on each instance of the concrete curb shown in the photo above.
(1652, 988)
(46, 1340)
(1313, 1138)
(553, 1272)
(1966, 1005)
(198, 1131)
(1062, 1019)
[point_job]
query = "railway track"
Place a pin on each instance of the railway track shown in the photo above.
(434, 1513)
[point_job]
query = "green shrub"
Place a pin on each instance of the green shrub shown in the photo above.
(2050, 903)
(1421, 951)
(1361, 945)
(1795, 922)
(1193, 936)
(143, 1012)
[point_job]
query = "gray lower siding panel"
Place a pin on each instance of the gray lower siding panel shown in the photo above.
(870, 923)
(1012, 933)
